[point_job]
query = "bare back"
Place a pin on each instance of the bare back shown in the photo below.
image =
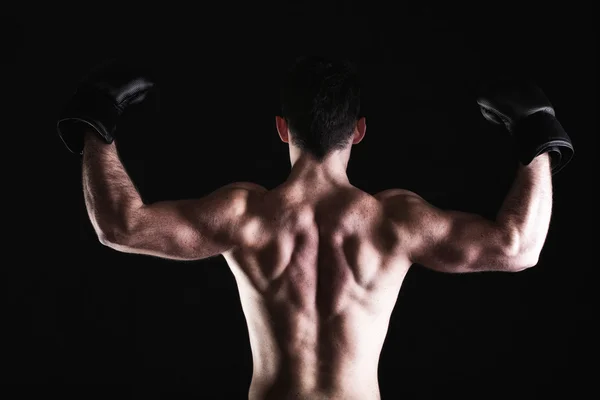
(318, 278)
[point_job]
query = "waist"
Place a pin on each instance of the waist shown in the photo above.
(352, 381)
(280, 390)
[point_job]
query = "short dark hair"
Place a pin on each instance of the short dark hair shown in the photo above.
(321, 103)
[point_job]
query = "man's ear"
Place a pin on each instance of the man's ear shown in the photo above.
(360, 130)
(282, 129)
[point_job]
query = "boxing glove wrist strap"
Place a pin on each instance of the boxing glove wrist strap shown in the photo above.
(92, 108)
(540, 133)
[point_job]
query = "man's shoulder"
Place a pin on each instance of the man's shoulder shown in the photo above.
(254, 187)
(401, 205)
(246, 195)
(389, 194)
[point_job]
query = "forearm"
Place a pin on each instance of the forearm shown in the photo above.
(110, 196)
(527, 208)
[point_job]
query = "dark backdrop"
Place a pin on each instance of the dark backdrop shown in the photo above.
(81, 316)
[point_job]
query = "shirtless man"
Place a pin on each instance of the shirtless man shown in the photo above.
(318, 262)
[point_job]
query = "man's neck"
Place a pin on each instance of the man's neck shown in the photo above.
(331, 170)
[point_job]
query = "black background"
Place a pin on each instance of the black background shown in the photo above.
(81, 316)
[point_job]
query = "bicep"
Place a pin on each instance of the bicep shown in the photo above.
(454, 241)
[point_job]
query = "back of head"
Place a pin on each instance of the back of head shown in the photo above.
(321, 104)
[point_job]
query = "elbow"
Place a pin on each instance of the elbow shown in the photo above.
(520, 257)
(525, 261)
(512, 256)
(522, 265)
(506, 255)
(118, 233)
(115, 231)
(112, 237)
(107, 239)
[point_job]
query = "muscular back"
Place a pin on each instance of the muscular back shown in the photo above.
(318, 278)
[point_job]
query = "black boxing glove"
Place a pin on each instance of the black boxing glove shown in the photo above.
(99, 101)
(529, 117)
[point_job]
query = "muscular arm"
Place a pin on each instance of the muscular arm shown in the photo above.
(527, 209)
(110, 197)
(452, 241)
(181, 230)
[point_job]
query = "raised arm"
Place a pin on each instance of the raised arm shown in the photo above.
(454, 241)
(181, 230)
(458, 242)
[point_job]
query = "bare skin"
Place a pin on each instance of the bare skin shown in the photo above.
(318, 262)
